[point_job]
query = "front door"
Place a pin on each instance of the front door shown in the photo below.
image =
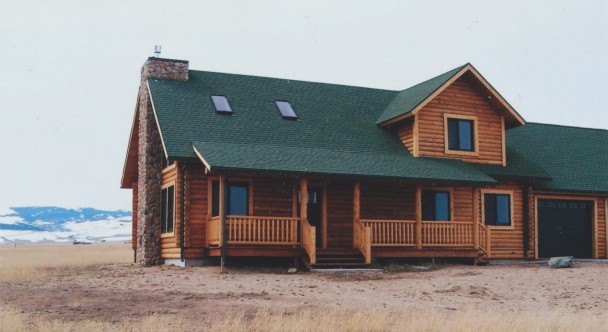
(315, 212)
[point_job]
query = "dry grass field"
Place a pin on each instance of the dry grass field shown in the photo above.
(29, 261)
(96, 288)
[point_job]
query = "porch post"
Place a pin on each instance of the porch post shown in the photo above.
(476, 204)
(418, 217)
(356, 208)
(222, 212)
(303, 203)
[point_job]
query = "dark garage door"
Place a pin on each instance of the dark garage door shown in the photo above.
(564, 228)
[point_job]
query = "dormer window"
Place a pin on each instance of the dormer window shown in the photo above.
(460, 134)
(286, 110)
(221, 104)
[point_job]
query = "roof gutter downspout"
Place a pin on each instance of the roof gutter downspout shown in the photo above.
(525, 198)
(182, 233)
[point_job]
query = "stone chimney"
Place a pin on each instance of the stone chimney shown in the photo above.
(165, 69)
(150, 153)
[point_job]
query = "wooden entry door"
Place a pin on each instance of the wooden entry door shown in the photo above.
(315, 212)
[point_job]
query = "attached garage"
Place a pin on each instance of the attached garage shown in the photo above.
(565, 228)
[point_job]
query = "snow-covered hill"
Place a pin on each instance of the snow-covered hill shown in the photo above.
(50, 223)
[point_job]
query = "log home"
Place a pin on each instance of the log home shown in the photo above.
(225, 165)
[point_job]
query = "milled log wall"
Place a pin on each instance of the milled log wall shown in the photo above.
(460, 98)
(507, 242)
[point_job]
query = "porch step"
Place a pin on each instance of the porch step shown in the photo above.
(338, 258)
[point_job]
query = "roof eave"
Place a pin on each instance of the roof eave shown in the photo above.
(124, 184)
(347, 175)
(572, 191)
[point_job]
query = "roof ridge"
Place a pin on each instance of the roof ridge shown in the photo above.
(457, 69)
(295, 80)
(407, 100)
(566, 126)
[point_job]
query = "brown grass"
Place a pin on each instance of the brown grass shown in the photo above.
(32, 262)
(26, 262)
(332, 320)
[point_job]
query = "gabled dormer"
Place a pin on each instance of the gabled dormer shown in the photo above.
(455, 115)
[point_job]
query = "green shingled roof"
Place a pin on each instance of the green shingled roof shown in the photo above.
(335, 132)
(402, 165)
(576, 159)
(558, 158)
(407, 100)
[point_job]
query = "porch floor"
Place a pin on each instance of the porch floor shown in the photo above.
(385, 252)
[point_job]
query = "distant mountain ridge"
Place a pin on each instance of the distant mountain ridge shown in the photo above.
(52, 223)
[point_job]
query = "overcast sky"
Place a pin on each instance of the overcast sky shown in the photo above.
(70, 69)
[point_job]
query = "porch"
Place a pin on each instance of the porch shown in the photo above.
(257, 235)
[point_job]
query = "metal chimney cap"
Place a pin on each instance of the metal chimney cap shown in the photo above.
(157, 49)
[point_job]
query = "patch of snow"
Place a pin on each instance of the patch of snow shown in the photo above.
(106, 228)
(118, 238)
(10, 220)
(99, 228)
(42, 223)
(5, 211)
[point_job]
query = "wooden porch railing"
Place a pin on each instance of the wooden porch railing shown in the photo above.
(214, 231)
(392, 232)
(262, 230)
(484, 238)
(362, 240)
(309, 239)
(402, 233)
(445, 234)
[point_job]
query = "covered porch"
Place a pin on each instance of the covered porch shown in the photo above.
(375, 219)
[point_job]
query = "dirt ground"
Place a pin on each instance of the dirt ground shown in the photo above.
(120, 292)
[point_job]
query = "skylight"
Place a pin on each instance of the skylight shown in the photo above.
(286, 110)
(221, 104)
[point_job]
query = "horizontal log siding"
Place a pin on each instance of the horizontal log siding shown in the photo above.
(463, 204)
(170, 245)
(462, 99)
(196, 211)
(507, 242)
(272, 197)
(405, 131)
(388, 201)
(340, 215)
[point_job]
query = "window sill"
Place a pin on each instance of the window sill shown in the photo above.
(501, 228)
(462, 152)
(165, 235)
